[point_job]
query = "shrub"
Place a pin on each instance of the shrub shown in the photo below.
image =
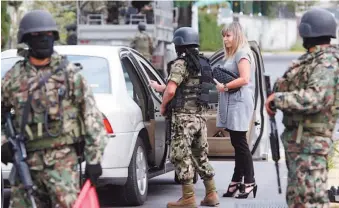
(209, 32)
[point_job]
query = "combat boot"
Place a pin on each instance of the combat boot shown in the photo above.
(211, 199)
(187, 200)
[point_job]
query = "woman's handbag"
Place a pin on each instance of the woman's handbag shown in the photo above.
(224, 76)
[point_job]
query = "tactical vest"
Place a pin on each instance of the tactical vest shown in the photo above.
(53, 119)
(194, 89)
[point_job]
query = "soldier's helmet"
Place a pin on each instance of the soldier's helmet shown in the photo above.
(317, 22)
(37, 21)
(141, 26)
(186, 36)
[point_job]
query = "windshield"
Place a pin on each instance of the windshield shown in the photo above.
(94, 69)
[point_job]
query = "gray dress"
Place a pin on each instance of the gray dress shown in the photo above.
(235, 110)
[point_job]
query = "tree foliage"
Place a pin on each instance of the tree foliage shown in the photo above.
(185, 13)
(5, 24)
(209, 32)
(64, 13)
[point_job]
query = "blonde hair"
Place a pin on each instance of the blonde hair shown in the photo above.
(239, 38)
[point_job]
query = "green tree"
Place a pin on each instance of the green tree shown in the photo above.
(64, 13)
(185, 13)
(209, 32)
(16, 15)
(5, 24)
(236, 6)
(269, 8)
(256, 7)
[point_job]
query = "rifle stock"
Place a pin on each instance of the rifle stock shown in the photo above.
(19, 158)
(274, 137)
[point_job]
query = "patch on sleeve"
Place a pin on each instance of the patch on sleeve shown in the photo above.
(178, 72)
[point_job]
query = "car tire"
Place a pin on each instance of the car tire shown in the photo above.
(195, 178)
(135, 191)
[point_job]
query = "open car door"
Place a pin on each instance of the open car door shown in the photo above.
(257, 136)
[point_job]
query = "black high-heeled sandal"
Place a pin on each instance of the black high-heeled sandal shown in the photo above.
(231, 193)
(245, 194)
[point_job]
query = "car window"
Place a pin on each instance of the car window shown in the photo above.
(94, 69)
(151, 74)
(129, 84)
(96, 72)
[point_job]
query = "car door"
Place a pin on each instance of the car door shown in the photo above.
(157, 125)
(218, 139)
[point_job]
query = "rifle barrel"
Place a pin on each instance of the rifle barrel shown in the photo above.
(278, 176)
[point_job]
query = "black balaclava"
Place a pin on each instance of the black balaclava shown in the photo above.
(40, 46)
(311, 42)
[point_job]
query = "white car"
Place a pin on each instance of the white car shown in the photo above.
(137, 149)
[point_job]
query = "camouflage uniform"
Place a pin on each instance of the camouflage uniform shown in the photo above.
(143, 44)
(306, 95)
(53, 160)
(189, 147)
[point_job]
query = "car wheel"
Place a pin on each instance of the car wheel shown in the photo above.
(195, 179)
(135, 190)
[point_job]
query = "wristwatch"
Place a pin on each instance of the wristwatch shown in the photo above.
(225, 88)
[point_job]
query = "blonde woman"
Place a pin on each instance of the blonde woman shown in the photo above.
(235, 109)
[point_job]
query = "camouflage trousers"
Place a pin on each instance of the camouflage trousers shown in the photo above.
(54, 173)
(189, 147)
(307, 181)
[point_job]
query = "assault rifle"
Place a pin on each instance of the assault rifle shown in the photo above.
(20, 167)
(274, 137)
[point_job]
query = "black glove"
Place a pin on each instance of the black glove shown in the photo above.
(7, 153)
(93, 172)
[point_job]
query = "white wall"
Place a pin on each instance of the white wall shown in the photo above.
(271, 34)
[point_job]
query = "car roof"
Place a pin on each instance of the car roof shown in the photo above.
(86, 50)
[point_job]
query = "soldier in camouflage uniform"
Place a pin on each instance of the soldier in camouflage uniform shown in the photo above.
(62, 113)
(142, 42)
(308, 96)
(186, 94)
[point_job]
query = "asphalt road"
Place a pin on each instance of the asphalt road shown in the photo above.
(163, 189)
